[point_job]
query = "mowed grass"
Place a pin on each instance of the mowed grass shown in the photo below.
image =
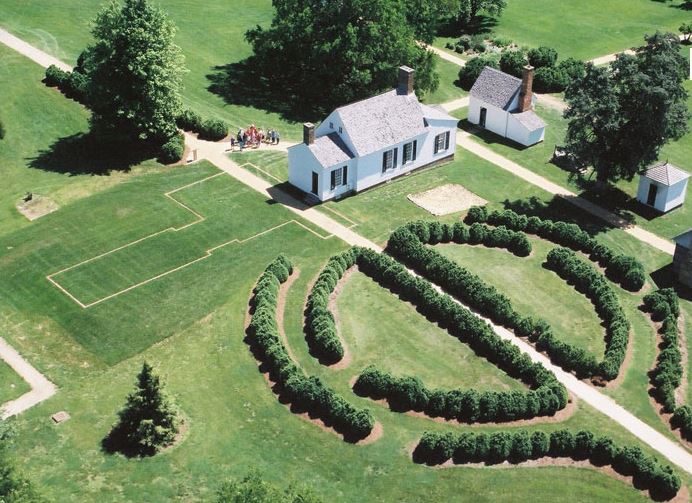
(589, 28)
(535, 291)
(11, 385)
(380, 329)
(211, 35)
(447, 90)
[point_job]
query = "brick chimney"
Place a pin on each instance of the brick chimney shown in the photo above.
(405, 85)
(308, 133)
(526, 94)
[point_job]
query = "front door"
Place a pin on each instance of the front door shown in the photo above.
(651, 198)
(481, 122)
(315, 180)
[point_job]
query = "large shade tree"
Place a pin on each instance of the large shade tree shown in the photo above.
(324, 54)
(621, 115)
(134, 72)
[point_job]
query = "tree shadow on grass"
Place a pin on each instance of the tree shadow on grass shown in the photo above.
(665, 278)
(92, 154)
(482, 24)
(243, 84)
(116, 442)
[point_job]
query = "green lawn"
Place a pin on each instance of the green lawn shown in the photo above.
(11, 385)
(535, 291)
(587, 29)
(447, 91)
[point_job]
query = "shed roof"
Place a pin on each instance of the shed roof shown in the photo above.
(381, 121)
(684, 239)
(330, 150)
(529, 120)
(495, 87)
(666, 174)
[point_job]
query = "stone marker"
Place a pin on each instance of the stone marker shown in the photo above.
(60, 417)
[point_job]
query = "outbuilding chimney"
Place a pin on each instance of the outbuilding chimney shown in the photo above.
(526, 94)
(308, 133)
(405, 85)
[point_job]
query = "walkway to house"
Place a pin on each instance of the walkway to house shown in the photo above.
(41, 388)
(465, 140)
(31, 52)
(214, 152)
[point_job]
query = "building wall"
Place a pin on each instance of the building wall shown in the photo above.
(495, 119)
(682, 265)
(301, 164)
(676, 195)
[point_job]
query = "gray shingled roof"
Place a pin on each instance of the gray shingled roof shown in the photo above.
(383, 120)
(530, 120)
(436, 112)
(684, 239)
(330, 150)
(666, 174)
(495, 87)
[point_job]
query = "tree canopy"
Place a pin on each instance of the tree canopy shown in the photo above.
(148, 421)
(134, 72)
(325, 54)
(621, 115)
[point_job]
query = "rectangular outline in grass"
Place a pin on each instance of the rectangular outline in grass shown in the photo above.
(198, 218)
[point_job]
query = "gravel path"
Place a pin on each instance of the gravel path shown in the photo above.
(31, 52)
(41, 388)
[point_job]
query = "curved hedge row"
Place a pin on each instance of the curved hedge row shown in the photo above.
(589, 281)
(517, 446)
(320, 329)
(469, 406)
(407, 246)
(464, 325)
(620, 268)
(305, 392)
(667, 374)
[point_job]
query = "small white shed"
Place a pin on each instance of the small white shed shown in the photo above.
(662, 187)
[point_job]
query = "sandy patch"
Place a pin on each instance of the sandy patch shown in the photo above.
(37, 207)
(446, 199)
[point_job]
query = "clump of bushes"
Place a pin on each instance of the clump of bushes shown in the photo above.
(308, 393)
(172, 151)
(473, 68)
(320, 329)
(622, 269)
(517, 446)
(72, 84)
(409, 393)
(210, 129)
(589, 281)
(666, 376)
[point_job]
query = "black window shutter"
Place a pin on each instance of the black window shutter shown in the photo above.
(394, 161)
(437, 144)
(413, 154)
(344, 175)
(446, 140)
(384, 162)
(333, 179)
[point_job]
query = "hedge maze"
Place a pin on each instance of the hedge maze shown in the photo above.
(440, 289)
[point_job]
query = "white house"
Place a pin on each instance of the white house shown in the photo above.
(370, 142)
(662, 186)
(503, 104)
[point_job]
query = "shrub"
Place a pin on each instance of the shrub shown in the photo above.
(2, 130)
(477, 214)
(513, 62)
(189, 121)
(550, 79)
(502, 42)
(463, 44)
(55, 77)
(172, 151)
(572, 69)
(213, 130)
(473, 68)
(542, 57)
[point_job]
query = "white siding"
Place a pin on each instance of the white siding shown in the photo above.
(675, 195)
(495, 118)
(301, 164)
(667, 198)
(517, 132)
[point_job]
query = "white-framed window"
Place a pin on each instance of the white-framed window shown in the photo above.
(441, 142)
(410, 152)
(341, 130)
(389, 159)
(339, 177)
(331, 125)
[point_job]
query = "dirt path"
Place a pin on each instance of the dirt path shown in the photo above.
(41, 388)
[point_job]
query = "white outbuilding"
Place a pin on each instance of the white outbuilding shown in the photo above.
(663, 186)
(503, 104)
(371, 142)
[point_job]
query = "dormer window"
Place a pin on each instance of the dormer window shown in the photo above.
(340, 130)
(331, 125)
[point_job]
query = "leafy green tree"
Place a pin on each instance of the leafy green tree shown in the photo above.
(13, 487)
(513, 62)
(134, 72)
(473, 68)
(620, 116)
(254, 489)
(324, 54)
(426, 16)
(148, 421)
(469, 10)
(542, 56)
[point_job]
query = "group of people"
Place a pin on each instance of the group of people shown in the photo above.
(254, 137)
